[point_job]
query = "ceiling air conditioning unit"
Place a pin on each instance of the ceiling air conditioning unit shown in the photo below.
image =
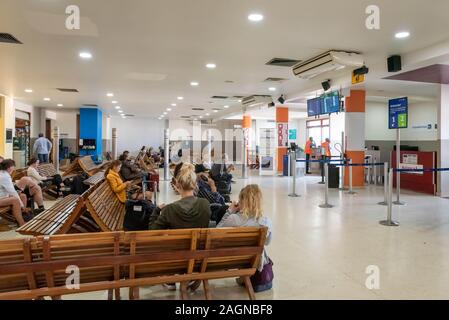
(256, 101)
(329, 61)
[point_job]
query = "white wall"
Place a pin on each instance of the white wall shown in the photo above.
(66, 121)
(420, 116)
(132, 134)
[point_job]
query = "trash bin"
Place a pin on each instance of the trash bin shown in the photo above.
(334, 176)
(285, 165)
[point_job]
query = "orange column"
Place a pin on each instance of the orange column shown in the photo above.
(355, 135)
(282, 127)
(246, 126)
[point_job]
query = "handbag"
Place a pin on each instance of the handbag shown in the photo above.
(137, 215)
(263, 280)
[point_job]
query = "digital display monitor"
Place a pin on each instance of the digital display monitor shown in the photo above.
(314, 107)
(331, 103)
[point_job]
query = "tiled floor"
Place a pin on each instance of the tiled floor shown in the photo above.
(324, 253)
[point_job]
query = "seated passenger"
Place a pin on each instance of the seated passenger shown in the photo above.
(129, 171)
(119, 187)
(248, 213)
(28, 189)
(55, 180)
(9, 195)
(189, 212)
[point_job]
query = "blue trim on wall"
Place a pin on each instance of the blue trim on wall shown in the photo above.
(91, 127)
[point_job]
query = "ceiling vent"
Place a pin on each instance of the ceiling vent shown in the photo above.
(8, 38)
(67, 90)
(281, 62)
(129, 115)
(219, 97)
(90, 105)
(256, 100)
(329, 61)
(185, 117)
(271, 79)
(216, 109)
(239, 97)
(197, 109)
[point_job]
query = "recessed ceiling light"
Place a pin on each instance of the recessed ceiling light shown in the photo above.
(215, 111)
(29, 90)
(110, 94)
(226, 107)
(120, 111)
(402, 35)
(195, 119)
(240, 100)
(60, 105)
(47, 99)
(117, 107)
(173, 104)
(85, 55)
(180, 98)
(211, 65)
(114, 102)
(207, 114)
(165, 113)
(272, 89)
(169, 109)
(255, 17)
(194, 84)
(201, 117)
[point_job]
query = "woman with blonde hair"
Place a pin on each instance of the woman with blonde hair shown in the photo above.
(248, 212)
(187, 213)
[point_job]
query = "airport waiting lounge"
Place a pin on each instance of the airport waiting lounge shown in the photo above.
(224, 150)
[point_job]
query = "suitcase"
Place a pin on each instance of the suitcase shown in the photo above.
(138, 212)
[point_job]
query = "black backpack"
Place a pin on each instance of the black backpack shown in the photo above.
(137, 215)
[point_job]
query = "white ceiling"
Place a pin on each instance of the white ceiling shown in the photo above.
(148, 51)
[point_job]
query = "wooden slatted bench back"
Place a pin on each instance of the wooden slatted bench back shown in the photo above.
(105, 208)
(36, 267)
(6, 213)
(61, 217)
(95, 179)
(47, 170)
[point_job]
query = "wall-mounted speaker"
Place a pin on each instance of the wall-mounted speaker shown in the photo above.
(394, 63)
(326, 85)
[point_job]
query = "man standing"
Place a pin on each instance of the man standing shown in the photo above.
(42, 147)
(308, 151)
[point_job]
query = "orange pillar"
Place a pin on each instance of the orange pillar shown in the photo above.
(282, 128)
(246, 126)
(355, 135)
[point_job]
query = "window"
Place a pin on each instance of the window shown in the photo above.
(319, 130)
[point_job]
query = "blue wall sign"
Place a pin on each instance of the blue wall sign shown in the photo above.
(398, 113)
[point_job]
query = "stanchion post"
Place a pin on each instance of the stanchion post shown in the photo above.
(351, 189)
(389, 222)
(326, 204)
(385, 202)
(292, 157)
(343, 174)
(398, 174)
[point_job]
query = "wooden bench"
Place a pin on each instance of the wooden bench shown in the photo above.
(88, 165)
(68, 215)
(34, 268)
(95, 179)
(6, 213)
(105, 208)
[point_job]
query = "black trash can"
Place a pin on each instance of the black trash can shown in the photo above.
(334, 176)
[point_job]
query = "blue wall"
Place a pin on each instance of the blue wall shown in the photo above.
(91, 127)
